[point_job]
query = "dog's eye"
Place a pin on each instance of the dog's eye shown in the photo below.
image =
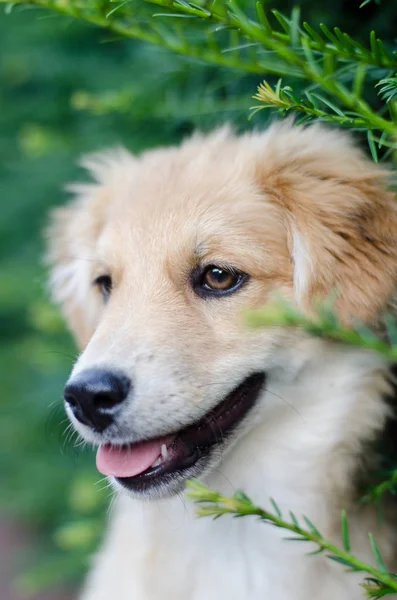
(104, 284)
(217, 281)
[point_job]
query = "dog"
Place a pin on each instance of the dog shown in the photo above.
(155, 264)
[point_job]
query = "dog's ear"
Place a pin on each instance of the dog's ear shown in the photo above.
(340, 216)
(71, 241)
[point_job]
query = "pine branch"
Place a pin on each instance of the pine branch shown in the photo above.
(376, 492)
(358, 116)
(335, 42)
(325, 324)
(272, 44)
(285, 100)
(145, 31)
(379, 581)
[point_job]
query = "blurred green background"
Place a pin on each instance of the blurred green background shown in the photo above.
(67, 88)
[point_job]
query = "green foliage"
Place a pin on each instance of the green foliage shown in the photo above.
(377, 582)
(376, 492)
(324, 323)
(63, 92)
(335, 72)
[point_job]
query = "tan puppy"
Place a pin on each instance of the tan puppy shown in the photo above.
(153, 265)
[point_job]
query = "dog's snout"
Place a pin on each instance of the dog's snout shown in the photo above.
(94, 395)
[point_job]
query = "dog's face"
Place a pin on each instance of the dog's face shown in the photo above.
(156, 264)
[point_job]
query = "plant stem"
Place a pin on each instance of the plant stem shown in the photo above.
(214, 504)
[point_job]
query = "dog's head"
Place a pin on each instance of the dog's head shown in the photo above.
(156, 261)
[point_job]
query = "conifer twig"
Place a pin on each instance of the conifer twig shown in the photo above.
(378, 583)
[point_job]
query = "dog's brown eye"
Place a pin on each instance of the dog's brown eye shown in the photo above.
(104, 283)
(217, 281)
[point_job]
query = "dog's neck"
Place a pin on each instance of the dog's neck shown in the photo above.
(316, 418)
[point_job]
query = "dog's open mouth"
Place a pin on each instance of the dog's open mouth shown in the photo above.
(175, 457)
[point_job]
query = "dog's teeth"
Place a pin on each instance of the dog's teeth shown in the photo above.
(162, 457)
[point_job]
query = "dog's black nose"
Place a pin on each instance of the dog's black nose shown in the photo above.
(94, 395)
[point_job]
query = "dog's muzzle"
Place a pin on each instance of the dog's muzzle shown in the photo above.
(160, 466)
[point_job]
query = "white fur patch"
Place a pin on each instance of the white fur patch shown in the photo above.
(302, 263)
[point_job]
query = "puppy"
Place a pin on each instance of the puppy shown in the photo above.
(154, 265)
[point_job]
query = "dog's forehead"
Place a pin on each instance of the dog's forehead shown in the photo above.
(168, 187)
(233, 223)
(188, 206)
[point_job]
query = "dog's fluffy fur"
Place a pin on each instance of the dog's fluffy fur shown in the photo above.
(305, 214)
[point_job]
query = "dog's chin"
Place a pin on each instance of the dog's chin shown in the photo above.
(196, 449)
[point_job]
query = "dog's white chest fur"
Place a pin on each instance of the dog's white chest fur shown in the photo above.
(160, 550)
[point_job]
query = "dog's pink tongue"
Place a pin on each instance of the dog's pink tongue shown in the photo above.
(127, 461)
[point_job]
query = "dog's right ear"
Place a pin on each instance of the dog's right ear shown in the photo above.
(71, 241)
(340, 217)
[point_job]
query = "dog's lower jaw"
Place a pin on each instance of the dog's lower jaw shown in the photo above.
(303, 454)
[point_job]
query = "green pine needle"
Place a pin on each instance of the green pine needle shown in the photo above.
(345, 531)
(211, 503)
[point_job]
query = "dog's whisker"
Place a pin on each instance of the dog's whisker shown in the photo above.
(55, 403)
(100, 481)
(232, 487)
(292, 407)
(105, 486)
(112, 502)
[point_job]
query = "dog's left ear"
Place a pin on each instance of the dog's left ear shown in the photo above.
(340, 217)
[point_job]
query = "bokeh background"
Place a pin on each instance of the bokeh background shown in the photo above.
(67, 88)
